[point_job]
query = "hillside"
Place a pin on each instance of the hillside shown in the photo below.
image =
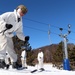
(52, 53)
(49, 50)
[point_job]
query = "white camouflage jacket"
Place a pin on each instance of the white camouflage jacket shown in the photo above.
(12, 18)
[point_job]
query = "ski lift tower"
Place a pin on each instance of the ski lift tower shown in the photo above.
(66, 65)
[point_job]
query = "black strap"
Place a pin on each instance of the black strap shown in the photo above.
(19, 19)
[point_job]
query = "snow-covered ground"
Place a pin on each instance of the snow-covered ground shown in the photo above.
(49, 70)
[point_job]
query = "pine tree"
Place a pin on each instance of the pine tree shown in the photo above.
(58, 55)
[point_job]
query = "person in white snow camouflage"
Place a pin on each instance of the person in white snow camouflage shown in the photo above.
(23, 59)
(11, 22)
(7, 60)
(40, 60)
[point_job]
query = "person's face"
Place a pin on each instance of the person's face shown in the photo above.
(21, 14)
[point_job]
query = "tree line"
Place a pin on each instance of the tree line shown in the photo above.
(52, 53)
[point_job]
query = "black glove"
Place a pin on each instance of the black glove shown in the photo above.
(9, 26)
(26, 38)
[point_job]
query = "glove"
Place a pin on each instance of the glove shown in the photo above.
(26, 38)
(9, 26)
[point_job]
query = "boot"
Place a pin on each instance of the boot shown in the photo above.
(42, 69)
(7, 66)
(16, 65)
(26, 67)
(2, 63)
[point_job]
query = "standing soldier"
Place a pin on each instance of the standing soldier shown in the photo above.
(7, 60)
(40, 60)
(23, 59)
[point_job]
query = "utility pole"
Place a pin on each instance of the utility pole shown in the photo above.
(66, 65)
(49, 34)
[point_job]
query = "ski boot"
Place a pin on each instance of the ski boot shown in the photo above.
(16, 65)
(41, 69)
(2, 63)
(7, 66)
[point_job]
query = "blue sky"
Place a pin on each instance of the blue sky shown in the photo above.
(44, 15)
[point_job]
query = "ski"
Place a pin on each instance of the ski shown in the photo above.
(37, 71)
(22, 68)
(34, 71)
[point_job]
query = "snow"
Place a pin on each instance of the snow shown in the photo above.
(49, 70)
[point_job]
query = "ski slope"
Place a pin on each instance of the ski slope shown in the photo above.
(49, 70)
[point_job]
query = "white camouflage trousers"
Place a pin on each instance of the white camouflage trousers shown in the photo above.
(6, 44)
